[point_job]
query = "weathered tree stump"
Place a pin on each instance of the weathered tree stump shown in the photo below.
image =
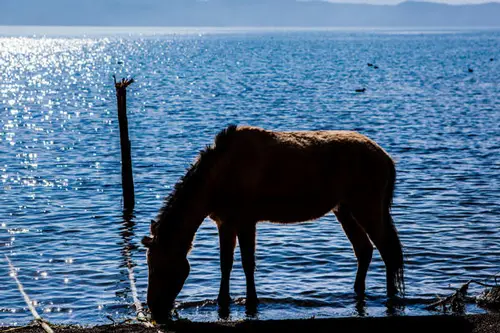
(127, 176)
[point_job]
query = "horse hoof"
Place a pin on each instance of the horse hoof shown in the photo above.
(224, 312)
(251, 305)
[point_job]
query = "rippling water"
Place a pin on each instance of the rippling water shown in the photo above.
(61, 221)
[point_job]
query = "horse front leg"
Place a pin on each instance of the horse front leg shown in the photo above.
(246, 238)
(227, 242)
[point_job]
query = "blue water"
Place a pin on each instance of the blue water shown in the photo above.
(60, 193)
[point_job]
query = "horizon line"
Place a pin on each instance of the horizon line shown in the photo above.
(92, 30)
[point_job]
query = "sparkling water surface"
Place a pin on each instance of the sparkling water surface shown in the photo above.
(60, 192)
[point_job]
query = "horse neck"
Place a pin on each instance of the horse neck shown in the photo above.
(178, 225)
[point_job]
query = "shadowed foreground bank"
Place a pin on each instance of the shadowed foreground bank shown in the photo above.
(488, 323)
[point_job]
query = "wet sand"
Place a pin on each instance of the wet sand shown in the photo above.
(487, 323)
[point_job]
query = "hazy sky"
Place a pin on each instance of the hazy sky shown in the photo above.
(392, 2)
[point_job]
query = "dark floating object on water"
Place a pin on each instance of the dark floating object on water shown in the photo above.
(471, 70)
(361, 90)
(370, 65)
(491, 59)
(375, 67)
(120, 62)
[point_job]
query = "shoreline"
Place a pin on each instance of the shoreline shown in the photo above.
(479, 323)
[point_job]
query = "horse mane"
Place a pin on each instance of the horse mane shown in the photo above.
(178, 200)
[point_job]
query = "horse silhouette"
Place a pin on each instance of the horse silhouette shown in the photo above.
(251, 175)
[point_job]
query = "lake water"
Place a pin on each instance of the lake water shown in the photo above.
(60, 192)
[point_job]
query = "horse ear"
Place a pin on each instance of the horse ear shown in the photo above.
(153, 224)
(147, 241)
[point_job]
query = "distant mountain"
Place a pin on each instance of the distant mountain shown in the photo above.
(313, 13)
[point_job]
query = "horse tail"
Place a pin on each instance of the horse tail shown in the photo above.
(391, 183)
(397, 260)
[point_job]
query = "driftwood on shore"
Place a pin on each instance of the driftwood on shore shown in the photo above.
(488, 299)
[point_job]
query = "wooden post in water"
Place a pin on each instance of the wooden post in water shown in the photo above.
(127, 177)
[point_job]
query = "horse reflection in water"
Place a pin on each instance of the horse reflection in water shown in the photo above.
(250, 175)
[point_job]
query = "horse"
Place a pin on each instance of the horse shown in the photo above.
(249, 175)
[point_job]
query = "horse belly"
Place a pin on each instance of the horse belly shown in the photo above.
(295, 207)
(292, 192)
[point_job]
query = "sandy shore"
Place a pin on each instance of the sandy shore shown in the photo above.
(487, 323)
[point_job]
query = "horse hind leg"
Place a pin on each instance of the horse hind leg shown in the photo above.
(377, 222)
(363, 248)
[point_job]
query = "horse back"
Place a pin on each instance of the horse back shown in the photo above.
(288, 169)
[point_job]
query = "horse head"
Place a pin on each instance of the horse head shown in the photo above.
(168, 270)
